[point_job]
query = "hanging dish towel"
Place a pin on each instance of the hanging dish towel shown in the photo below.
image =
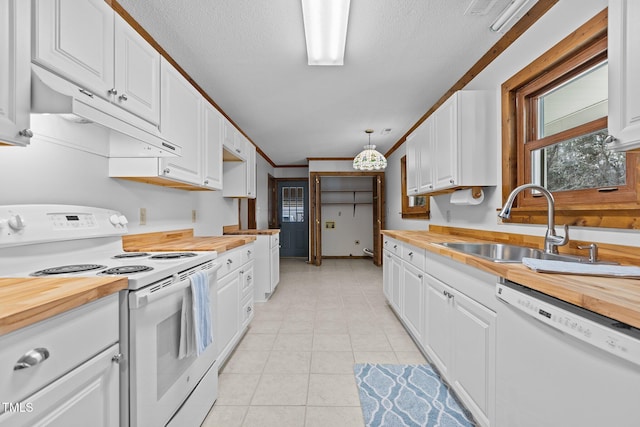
(202, 322)
(187, 332)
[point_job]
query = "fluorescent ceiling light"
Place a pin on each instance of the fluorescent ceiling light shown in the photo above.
(325, 28)
(508, 14)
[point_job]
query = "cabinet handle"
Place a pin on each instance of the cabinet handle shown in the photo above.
(452, 181)
(249, 253)
(395, 246)
(419, 276)
(86, 92)
(123, 97)
(113, 91)
(32, 358)
(238, 150)
(27, 133)
(249, 309)
(249, 278)
(229, 262)
(206, 181)
(410, 253)
(610, 139)
(388, 256)
(166, 171)
(117, 358)
(241, 271)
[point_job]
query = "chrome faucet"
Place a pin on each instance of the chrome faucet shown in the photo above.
(551, 239)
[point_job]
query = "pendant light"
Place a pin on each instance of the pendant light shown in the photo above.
(369, 158)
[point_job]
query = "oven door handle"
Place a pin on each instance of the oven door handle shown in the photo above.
(146, 296)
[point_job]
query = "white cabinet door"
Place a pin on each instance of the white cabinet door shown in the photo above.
(412, 300)
(624, 69)
(212, 147)
(15, 83)
(75, 39)
(233, 142)
(396, 283)
(251, 170)
(438, 328)
(86, 396)
(473, 354)
(445, 144)
(137, 73)
(228, 316)
(413, 162)
(181, 124)
(274, 260)
(425, 154)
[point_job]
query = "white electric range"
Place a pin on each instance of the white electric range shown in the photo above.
(157, 387)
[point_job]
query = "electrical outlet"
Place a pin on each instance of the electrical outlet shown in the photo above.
(143, 216)
(194, 215)
(448, 216)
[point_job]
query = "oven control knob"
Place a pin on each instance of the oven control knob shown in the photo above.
(17, 222)
(114, 219)
(123, 220)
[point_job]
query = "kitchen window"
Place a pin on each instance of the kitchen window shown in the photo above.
(554, 130)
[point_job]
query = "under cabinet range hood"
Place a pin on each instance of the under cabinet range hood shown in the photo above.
(129, 135)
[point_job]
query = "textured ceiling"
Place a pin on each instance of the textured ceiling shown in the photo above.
(250, 57)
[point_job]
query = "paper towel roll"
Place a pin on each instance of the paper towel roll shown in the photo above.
(465, 197)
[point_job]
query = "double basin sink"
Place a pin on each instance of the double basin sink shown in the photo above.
(505, 253)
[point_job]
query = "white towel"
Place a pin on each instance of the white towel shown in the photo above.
(187, 333)
(202, 323)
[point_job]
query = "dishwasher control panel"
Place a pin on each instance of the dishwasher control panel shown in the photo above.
(599, 334)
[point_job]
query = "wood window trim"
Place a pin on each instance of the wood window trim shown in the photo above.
(411, 212)
(617, 214)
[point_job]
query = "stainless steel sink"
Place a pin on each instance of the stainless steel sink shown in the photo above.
(505, 253)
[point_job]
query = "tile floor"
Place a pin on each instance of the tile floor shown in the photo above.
(294, 367)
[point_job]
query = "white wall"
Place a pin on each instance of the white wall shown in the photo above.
(301, 172)
(558, 23)
(263, 170)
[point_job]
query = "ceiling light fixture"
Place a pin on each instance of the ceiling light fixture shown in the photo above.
(369, 158)
(325, 29)
(513, 10)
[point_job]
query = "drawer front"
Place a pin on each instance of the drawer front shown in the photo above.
(230, 261)
(246, 312)
(247, 278)
(275, 240)
(392, 245)
(248, 252)
(70, 339)
(414, 256)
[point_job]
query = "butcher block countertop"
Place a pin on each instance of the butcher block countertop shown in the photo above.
(616, 298)
(181, 240)
(267, 232)
(25, 301)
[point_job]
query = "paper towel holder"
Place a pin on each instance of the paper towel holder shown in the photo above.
(467, 196)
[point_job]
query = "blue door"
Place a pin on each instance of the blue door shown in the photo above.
(293, 214)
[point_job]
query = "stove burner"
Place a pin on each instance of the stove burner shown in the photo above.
(131, 255)
(66, 269)
(174, 255)
(125, 269)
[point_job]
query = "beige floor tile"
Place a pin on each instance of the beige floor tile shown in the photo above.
(281, 389)
(297, 327)
(331, 327)
(257, 342)
(275, 416)
(291, 362)
(324, 416)
(225, 416)
(246, 362)
(265, 327)
(332, 362)
(402, 342)
(293, 342)
(370, 342)
(236, 389)
(333, 390)
(375, 357)
(410, 357)
(331, 342)
(330, 314)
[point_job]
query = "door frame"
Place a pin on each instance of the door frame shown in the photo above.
(315, 213)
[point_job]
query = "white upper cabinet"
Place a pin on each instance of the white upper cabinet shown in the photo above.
(251, 170)
(181, 124)
(75, 40)
(137, 73)
(212, 147)
(90, 45)
(235, 144)
(624, 69)
(455, 146)
(14, 72)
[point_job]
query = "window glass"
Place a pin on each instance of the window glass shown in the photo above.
(578, 163)
(577, 101)
(292, 204)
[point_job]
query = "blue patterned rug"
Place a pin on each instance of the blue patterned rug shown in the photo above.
(407, 396)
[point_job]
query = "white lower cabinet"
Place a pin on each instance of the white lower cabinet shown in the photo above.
(267, 265)
(75, 378)
(446, 307)
(235, 298)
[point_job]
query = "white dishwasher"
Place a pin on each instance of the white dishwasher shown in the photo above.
(561, 365)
